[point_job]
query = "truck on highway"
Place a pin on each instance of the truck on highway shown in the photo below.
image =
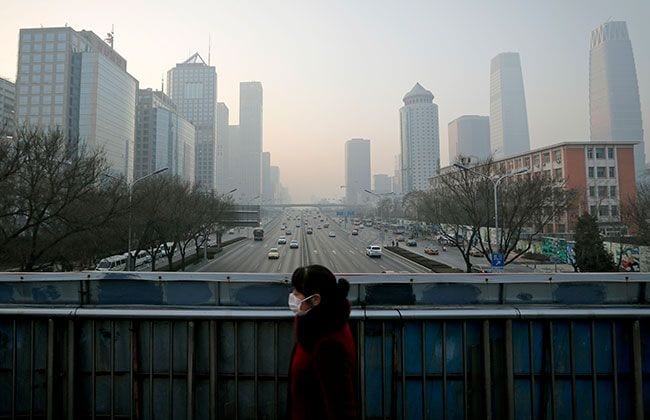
(258, 234)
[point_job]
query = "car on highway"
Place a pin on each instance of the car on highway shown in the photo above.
(373, 251)
(400, 238)
(475, 253)
(411, 242)
(287, 232)
(326, 225)
(293, 244)
(310, 231)
(431, 250)
(273, 254)
(231, 232)
(283, 227)
(332, 235)
(355, 232)
(282, 240)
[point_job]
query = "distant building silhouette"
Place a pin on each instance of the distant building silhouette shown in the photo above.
(469, 135)
(7, 107)
(357, 170)
(614, 103)
(508, 116)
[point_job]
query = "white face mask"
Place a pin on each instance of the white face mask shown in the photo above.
(295, 303)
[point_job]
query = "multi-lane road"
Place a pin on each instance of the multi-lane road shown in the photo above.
(344, 253)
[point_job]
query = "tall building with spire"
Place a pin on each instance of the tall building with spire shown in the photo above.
(508, 116)
(419, 139)
(614, 103)
(192, 85)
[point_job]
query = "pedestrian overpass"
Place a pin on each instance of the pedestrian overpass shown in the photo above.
(217, 345)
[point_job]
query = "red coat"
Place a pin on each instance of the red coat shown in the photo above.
(321, 380)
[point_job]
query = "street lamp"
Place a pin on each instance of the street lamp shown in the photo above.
(495, 182)
(131, 186)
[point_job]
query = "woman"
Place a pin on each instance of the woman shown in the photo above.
(322, 368)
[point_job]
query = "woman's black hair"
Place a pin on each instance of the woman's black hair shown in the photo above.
(315, 278)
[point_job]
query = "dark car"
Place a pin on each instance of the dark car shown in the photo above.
(411, 242)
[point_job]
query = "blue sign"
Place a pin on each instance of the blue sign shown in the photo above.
(340, 213)
(497, 260)
(350, 213)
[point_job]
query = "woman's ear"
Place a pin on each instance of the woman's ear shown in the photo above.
(315, 300)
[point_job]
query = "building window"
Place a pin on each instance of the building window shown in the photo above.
(602, 191)
(558, 174)
(546, 157)
(612, 172)
(600, 172)
(614, 211)
(592, 191)
(603, 211)
(590, 153)
(612, 191)
(610, 153)
(561, 228)
(591, 172)
(600, 153)
(592, 210)
(557, 156)
(536, 160)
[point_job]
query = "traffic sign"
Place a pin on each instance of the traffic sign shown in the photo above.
(497, 260)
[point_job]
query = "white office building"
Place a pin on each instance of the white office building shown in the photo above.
(614, 103)
(164, 139)
(76, 82)
(469, 136)
(419, 138)
(192, 85)
(508, 116)
(250, 141)
(357, 171)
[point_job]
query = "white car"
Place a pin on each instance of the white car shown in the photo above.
(231, 232)
(273, 254)
(373, 251)
(282, 240)
(293, 244)
(332, 235)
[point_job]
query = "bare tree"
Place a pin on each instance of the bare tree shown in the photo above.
(53, 194)
(462, 202)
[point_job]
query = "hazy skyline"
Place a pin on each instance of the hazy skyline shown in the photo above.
(336, 70)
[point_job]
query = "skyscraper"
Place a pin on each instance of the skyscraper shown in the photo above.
(357, 170)
(382, 184)
(419, 137)
(614, 103)
(7, 107)
(469, 135)
(223, 149)
(508, 116)
(250, 139)
(267, 186)
(163, 138)
(192, 85)
(74, 81)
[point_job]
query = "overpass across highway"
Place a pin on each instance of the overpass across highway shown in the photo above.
(217, 345)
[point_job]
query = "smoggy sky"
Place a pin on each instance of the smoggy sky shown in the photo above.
(335, 70)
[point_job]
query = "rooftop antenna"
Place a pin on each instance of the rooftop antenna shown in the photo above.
(110, 36)
(209, 49)
(162, 82)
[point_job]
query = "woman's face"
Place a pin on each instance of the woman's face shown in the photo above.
(315, 300)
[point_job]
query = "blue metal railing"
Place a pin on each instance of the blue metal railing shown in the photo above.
(430, 346)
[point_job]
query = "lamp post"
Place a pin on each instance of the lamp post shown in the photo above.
(495, 183)
(131, 186)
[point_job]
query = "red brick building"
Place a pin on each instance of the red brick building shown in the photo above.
(601, 172)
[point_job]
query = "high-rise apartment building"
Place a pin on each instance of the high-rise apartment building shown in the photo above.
(250, 140)
(508, 116)
(469, 136)
(7, 107)
(223, 148)
(192, 85)
(275, 184)
(614, 103)
(419, 138)
(357, 170)
(74, 81)
(163, 138)
(381, 184)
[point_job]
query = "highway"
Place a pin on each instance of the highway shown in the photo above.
(344, 253)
